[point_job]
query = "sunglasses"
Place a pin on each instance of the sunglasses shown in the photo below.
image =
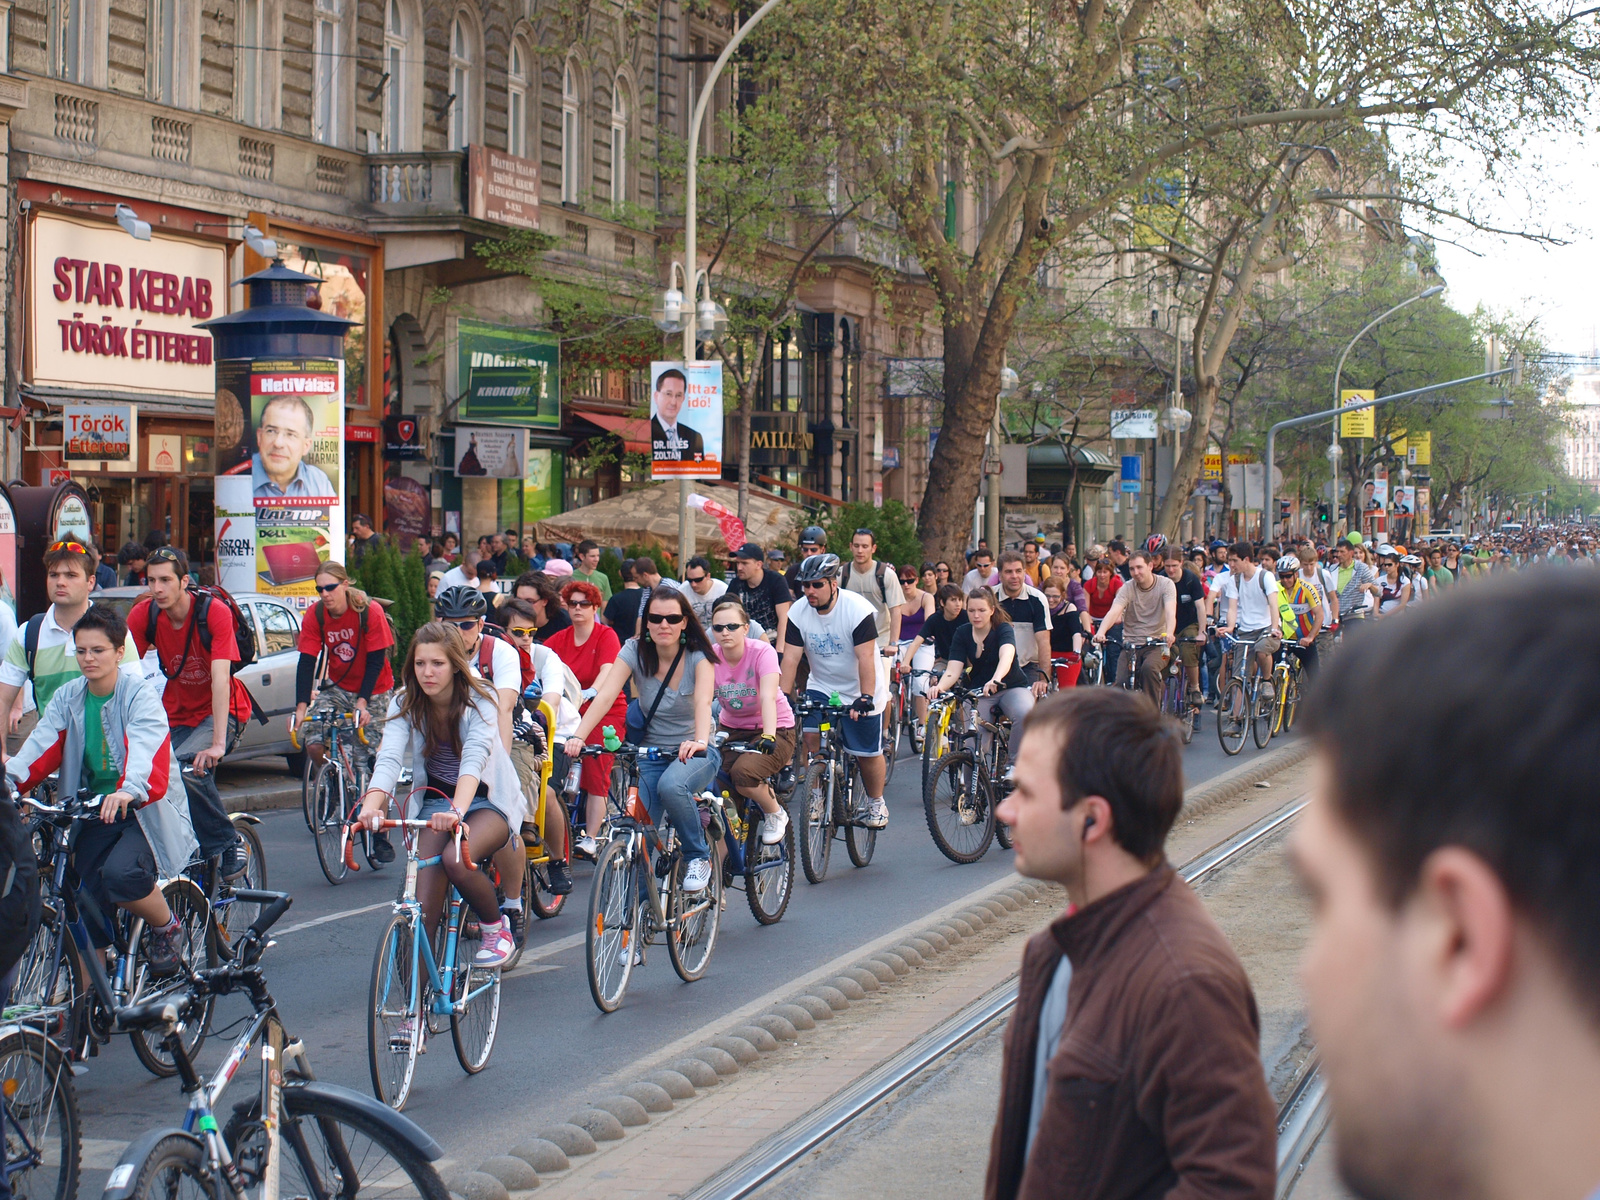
(694, 578)
(810, 584)
(729, 628)
(526, 631)
(466, 626)
(69, 544)
(579, 602)
(664, 618)
(326, 588)
(865, 533)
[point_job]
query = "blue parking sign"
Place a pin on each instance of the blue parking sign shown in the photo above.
(1132, 472)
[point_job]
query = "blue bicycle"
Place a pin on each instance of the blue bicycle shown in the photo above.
(412, 993)
(768, 870)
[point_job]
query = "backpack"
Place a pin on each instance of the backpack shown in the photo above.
(322, 620)
(486, 656)
(19, 884)
(244, 633)
(880, 570)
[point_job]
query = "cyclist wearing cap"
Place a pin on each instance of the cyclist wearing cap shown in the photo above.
(763, 593)
(836, 633)
(1301, 606)
(813, 540)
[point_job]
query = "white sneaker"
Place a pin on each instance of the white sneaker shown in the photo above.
(877, 814)
(773, 827)
(966, 812)
(638, 956)
(697, 876)
(498, 946)
(587, 846)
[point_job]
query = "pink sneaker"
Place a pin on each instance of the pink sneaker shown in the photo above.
(498, 946)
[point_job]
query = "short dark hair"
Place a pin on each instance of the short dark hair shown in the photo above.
(104, 618)
(982, 552)
(626, 569)
(587, 545)
(132, 552)
(1008, 557)
(1241, 550)
(950, 592)
(168, 556)
(517, 608)
(644, 565)
(1117, 544)
(1508, 722)
(670, 373)
(1117, 745)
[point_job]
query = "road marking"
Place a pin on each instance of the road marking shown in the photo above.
(338, 916)
(534, 953)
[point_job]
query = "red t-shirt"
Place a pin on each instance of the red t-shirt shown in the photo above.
(1100, 601)
(347, 656)
(187, 696)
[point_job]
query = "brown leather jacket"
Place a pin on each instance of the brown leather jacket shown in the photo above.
(1157, 1088)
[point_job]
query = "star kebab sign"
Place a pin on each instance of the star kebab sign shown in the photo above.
(108, 312)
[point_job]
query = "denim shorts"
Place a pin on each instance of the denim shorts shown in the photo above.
(433, 802)
(862, 736)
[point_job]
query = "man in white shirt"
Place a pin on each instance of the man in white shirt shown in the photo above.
(704, 589)
(878, 583)
(1252, 607)
(465, 575)
(982, 574)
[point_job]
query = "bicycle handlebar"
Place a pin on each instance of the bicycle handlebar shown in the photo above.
(629, 750)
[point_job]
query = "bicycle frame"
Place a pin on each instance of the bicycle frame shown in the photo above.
(748, 812)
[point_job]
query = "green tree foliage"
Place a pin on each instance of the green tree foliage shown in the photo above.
(386, 574)
(894, 525)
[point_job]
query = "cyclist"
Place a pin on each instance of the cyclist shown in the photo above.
(914, 613)
(836, 633)
(813, 540)
(1300, 609)
(207, 705)
(1068, 628)
(105, 730)
(746, 671)
(446, 720)
(1191, 620)
(1146, 607)
(930, 649)
(986, 649)
(352, 635)
(878, 583)
(704, 589)
(1251, 596)
(1394, 590)
(1030, 620)
(762, 591)
(670, 667)
(587, 649)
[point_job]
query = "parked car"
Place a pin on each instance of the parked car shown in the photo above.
(270, 678)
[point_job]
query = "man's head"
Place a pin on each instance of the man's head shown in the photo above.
(465, 608)
(1344, 553)
(589, 555)
(521, 623)
(497, 544)
(1435, 556)
(1099, 782)
(67, 572)
(863, 544)
(1013, 573)
(670, 388)
(98, 639)
(819, 580)
(626, 571)
(1118, 550)
(1140, 570)
(1454, 966)
(133, 555)
(644, 571)
(1240, 561)
(284, 437)
(167, 576)
(361, 525)
(697, 574)
(813, 540)
(983, 564)
(1030, 552)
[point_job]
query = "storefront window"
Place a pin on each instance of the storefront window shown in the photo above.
(346, 283)
(199, 456)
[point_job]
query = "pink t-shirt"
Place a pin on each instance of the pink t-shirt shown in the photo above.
(739, 687)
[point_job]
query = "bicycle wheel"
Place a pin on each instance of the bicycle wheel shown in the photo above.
(768, 873)
(1176, 705)
(328, 809)
(694, 923)
(44, 980)
(42, 1136)
(1233, 724)
(816, 822)
(198, 948)
(474, 1009)
(859, 841)
(1262, 714)
(616, 920)
(1002, 833)
(1290, 703)
(308, 772)
(962, 825)
(891, 735)
(330, 1147)
(394, 1027)
(231, 917)
(176, 1169)
(536, 893)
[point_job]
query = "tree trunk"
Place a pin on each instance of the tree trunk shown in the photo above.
(1186, 471)
(746, 402)
(971, 392)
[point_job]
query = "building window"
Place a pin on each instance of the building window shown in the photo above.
(571, 134)
(69, 40)
(396, 51)
(517, 102)
(325, 74)
(619, 142)
(463, 47)
(250, 52)
(164, 51)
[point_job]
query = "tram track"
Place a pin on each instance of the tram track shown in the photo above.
(1302, 1118)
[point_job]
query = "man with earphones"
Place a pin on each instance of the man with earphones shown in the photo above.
(1132, 1062)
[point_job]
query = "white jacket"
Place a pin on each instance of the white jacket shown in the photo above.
(482, 756)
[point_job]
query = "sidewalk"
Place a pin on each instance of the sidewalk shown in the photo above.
(258, 785)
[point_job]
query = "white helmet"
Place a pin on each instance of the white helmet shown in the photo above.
(1288, 563)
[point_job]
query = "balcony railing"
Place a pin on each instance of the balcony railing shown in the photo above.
(420, 183)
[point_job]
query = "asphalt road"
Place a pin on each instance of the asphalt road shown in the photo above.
(553, 1043)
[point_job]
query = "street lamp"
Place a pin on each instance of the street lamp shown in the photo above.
(1175, 419)
(138, 230)
(668, 309)
(1425, 294)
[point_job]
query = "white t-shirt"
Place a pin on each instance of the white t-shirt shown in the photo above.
(1322, 579)
(1258, 600)
(703, 605)
(830, 642)
(457, 577)
(891, 596)
(556, 680)
(505, 665)
(973, 579)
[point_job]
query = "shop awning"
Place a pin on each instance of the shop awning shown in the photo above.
(649, 516)
(634, 431)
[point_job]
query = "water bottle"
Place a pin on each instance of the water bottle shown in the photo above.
(609, 738)
(569, 790)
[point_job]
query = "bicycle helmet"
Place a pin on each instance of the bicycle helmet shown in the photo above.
(1410, 560)
(1387, 551)
(813, 535)
(1156, 543)
(817, 567)
(1288, 565)
(458, 603)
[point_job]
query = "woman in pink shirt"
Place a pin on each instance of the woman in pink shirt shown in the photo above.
(747, 672)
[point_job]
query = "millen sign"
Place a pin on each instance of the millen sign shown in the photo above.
(108, 312)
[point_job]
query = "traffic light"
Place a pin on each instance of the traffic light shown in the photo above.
(1283, 510)
(1323, 515)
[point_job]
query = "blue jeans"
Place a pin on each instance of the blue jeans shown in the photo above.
(674, 785)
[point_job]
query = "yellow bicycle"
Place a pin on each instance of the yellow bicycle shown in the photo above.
(1286, 674)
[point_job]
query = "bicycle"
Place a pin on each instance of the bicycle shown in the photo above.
(336, 789)
(40, 1128)
(962, 795)
(1242, 710)
(829, 794)
(409, 988)
(61, 983)
(230, 915)
(536, 893)
(767, 870)
(323, 1140)
(627, 907)
(1174, 693)
(1286, 673)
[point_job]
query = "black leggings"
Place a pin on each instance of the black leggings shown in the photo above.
(487, 831)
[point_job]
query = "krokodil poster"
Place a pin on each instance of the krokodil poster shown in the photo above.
(280, 453)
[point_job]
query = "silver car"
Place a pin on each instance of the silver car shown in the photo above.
(270, 678)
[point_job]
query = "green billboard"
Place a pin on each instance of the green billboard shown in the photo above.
(507, 374)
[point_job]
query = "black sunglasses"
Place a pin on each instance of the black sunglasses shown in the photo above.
(867, 532)
(326, 588)
(664, 618)
(726, 628)
(815, 583)
(161, 554)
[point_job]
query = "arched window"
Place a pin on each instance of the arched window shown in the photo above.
(517, 101)
(463, 61)
(619, 141)
(326, 76)
(571, 133)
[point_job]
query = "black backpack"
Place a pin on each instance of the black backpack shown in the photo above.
(19, 883)
(244, 633)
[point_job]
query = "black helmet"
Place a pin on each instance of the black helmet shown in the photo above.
(819, 566)
(458, 603)
(813, 535)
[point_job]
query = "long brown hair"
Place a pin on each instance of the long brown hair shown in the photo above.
(692, 635)
(358, 598)
(440, 729)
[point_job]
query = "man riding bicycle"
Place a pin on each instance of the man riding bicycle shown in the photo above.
(1301, 612)
(1145, 607)
(1252, 598)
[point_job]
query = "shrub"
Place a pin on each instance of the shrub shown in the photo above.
(894, 525)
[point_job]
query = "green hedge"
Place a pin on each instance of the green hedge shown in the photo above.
(894, 525)
(388, 575)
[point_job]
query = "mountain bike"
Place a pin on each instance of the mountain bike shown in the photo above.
(335, 795)
(638, 890)
(321, 1140)
(767, 871)
(1242, 709)
(968, 783)
(419, 979)
(39, 1123)
(61, 984)
(1287, 671)
(831, 794)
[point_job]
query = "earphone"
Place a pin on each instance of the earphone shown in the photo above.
(1088, 824)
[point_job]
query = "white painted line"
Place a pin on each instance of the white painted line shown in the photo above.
(331, 917)
(550, 950)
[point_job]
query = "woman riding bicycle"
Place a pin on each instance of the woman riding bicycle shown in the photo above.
(671, 671)
(449, 721)
(1069, 627)
(919, 606)
(588, 648)
(746, 670)
(986, 650)
(929, 648)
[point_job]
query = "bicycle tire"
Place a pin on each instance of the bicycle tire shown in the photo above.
(692, 938)
(176, 1169)
(329, 809)
(311, 1155)
(614, 933)
(36, 1078)
(1233, 717)
(391, 1054)
(308, 772)
(189, 904)
(1263, 713)
(473, 1022)
(536, 893)
(936, 739)
(816, 822)
(1002, 833)
(232, 917)
(1291, 701)
(942, 801)
(891, 736)
(768, 873)
(43, 982)
(860, 842)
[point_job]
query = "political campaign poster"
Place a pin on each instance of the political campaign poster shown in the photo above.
(280, 425)
(1405, 501)
(686, 420)
(486, 452)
